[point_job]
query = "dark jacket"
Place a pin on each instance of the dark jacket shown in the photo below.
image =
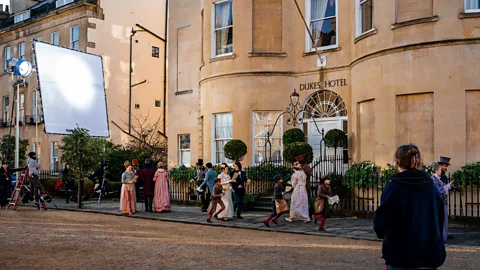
(324, 191)
(278, 191)
(239, 185)
(410, 221)
(146, 177)
(444, 177)
(308, 171)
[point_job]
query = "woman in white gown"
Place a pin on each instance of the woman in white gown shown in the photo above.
(299, 203)
(227, 214)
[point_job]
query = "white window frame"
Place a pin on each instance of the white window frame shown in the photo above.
(471, 10)
(54, 159)
(20, 46)
(308, 40)
(279, 126)
(76, 41)
(186, 163)
(21, 17)
(359, 25)
(63, 3)
(55, 38)
(7, 57)
(214, 36)
(214, 140)
(5, 108)
(34, 106)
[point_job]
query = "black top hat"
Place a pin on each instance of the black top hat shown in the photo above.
(444, 160)
(200, 162)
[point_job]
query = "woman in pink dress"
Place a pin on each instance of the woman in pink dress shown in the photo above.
(161, 200)
(127, 195)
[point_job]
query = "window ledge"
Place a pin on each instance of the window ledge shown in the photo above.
(369, 33)
(267, 54)
(468, 15)
(336, 49)
(183, 92)
(223, 57)
(416, 21)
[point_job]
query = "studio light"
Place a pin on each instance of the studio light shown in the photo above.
(20, 67)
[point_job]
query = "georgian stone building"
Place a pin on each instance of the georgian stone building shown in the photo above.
(387, 72)
(95, 26)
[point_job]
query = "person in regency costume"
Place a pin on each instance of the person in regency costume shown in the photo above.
(146, 177)
(322, 207)
(208, 182)
(216, 198)
(162, 198)
(227, 196)
(299, 204)
(444, 163)
(278, 192)
(199, 177)
(443, 189)
(127, 195)
(308, 172)
(410, 216)
(239, 181)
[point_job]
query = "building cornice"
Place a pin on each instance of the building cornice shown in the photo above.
(383, 52)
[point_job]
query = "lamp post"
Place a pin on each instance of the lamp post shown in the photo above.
(20, 68)
(294, 112)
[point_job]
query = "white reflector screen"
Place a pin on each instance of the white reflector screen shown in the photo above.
(72, 90)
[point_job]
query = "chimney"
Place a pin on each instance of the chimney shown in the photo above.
(7, 9)
(1, 7)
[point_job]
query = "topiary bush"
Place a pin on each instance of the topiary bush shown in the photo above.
(292, 136)
(296, 149)
(335, 138)
(235, 150)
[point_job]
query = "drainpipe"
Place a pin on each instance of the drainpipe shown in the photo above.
(165, 72)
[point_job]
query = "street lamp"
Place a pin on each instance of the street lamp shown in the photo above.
(295, 117)
(21, 68)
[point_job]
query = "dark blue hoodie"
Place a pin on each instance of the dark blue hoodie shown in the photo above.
(410, 221)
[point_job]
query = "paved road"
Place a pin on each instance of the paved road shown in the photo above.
(361, 229)
(78, 240)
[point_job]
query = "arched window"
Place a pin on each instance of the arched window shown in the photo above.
(324, 104)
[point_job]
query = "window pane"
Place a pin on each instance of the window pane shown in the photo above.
(472, 4)
(184, 141)
(367, 18)
(223, 15)
(185, 158)
(264, 123)
(224, 41)
(324, 32)
(55, 38)
(322, 8)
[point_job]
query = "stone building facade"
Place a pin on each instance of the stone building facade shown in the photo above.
(100, 27)
(395, 72)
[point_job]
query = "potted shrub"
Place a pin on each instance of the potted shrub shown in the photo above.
(293, 150)
(335, 138)
(235, 150)
(292, 136)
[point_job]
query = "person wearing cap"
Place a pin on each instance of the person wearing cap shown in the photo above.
(146, 177)
(444, 163)
(278, 192)
(308, 172)
(200, 177)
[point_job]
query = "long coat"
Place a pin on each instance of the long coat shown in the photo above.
(5, 184)
(146, 176)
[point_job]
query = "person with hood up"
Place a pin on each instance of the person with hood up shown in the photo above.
(410, 216)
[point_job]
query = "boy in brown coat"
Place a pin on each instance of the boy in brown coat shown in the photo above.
(216, 199)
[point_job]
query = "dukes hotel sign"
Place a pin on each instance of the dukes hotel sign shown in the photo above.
(327, 84)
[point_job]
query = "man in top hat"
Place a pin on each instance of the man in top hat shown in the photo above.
(200, 177)
(308, 171)
(444, 162)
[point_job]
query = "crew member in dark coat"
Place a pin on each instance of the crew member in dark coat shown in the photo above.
(68, 184)
(410, 216)
(6, 183)
(146, 177)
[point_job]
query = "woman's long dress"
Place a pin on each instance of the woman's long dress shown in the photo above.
(227, 197)
(299, 203)
(127, 195)
(161, 200)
